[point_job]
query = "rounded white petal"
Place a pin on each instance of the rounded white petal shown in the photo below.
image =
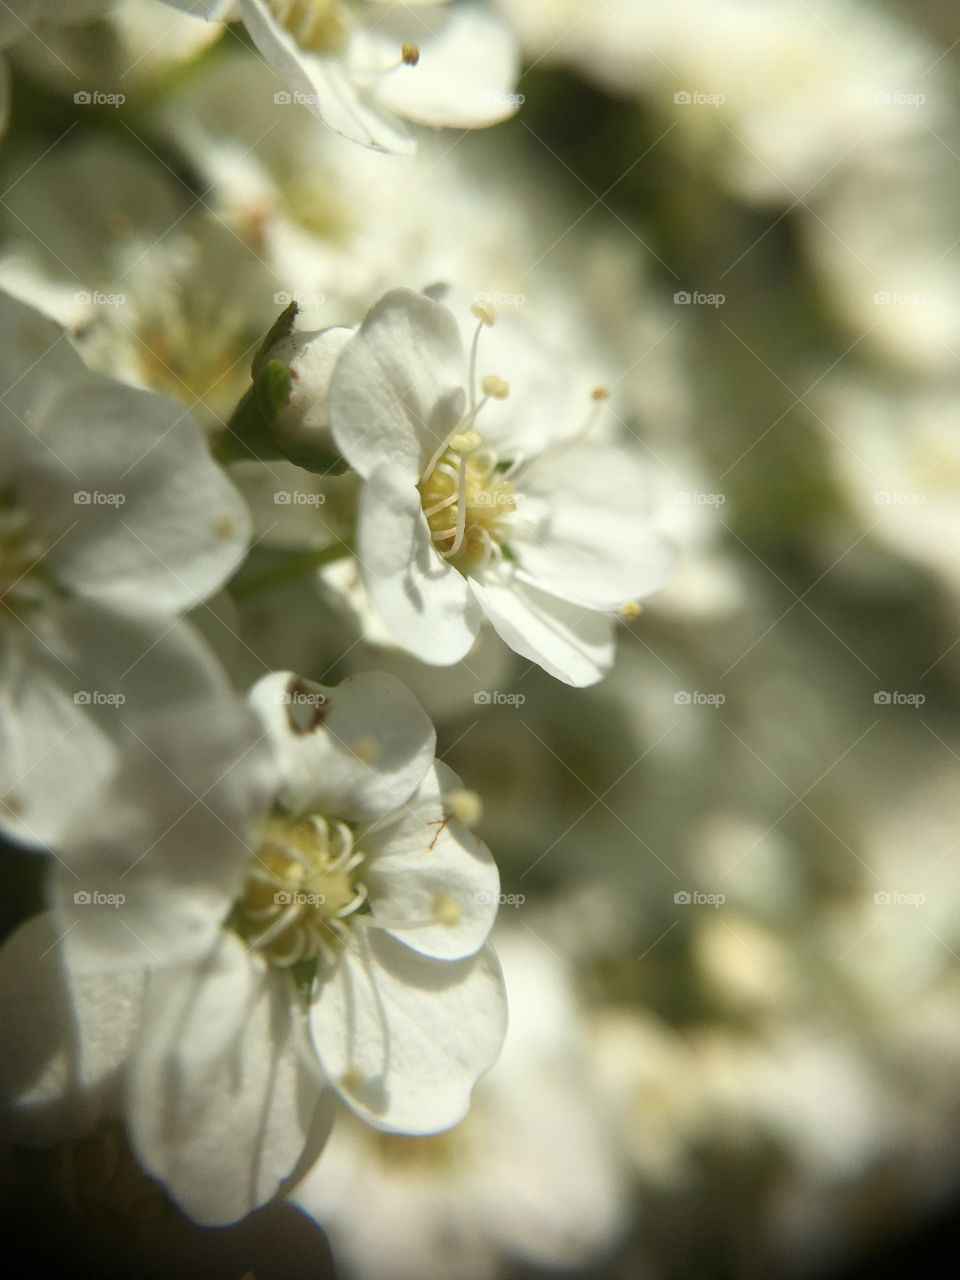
(431, 883)
(598, 546)
(424, 601)
(404, 1038)
(571, 643)
(120, 480)
(147, 875)
(467, 73)
(323, 84)
(69, 686)
(397, 391)
(356, 751)
(66, 1036)
(222, 1101)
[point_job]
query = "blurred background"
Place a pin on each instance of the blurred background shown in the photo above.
(731, 928)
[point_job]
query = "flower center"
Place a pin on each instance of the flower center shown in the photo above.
(301, 890)
(466, 499)
(318, 26)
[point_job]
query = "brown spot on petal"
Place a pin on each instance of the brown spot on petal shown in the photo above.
(307, 706)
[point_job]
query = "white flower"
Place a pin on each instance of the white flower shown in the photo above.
(482, 497)
(361, 64)
(313, 913)
(113, 520)
(531, 1175)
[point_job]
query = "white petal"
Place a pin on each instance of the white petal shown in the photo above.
(356, 751)
(120, 480)
(397, 390)
(569, 642)
(149, 873)
(424, 601)
(540, 409)
(36, 359)
(598, 546)
(323, 84)
(222, 1101)
(68, 688)
(311, 358)
(66, 1036)
(404, 1038)
(432, 884)
(468, 67)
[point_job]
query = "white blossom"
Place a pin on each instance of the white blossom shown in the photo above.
(483, 495)
(365, 67)
(313, 915)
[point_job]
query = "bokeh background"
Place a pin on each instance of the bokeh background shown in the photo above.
(732, 928)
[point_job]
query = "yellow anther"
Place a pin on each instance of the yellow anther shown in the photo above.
(365, 749)
(410, 55)
(630, 610)
(599, 394)
(485, 313)
(464, 806)
(495, 387)
(465, 442)
(446, 910)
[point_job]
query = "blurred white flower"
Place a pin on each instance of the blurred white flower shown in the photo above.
(315, 921)
(531, 1175)
(113, 521)
(364, 68)
(482, 496)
